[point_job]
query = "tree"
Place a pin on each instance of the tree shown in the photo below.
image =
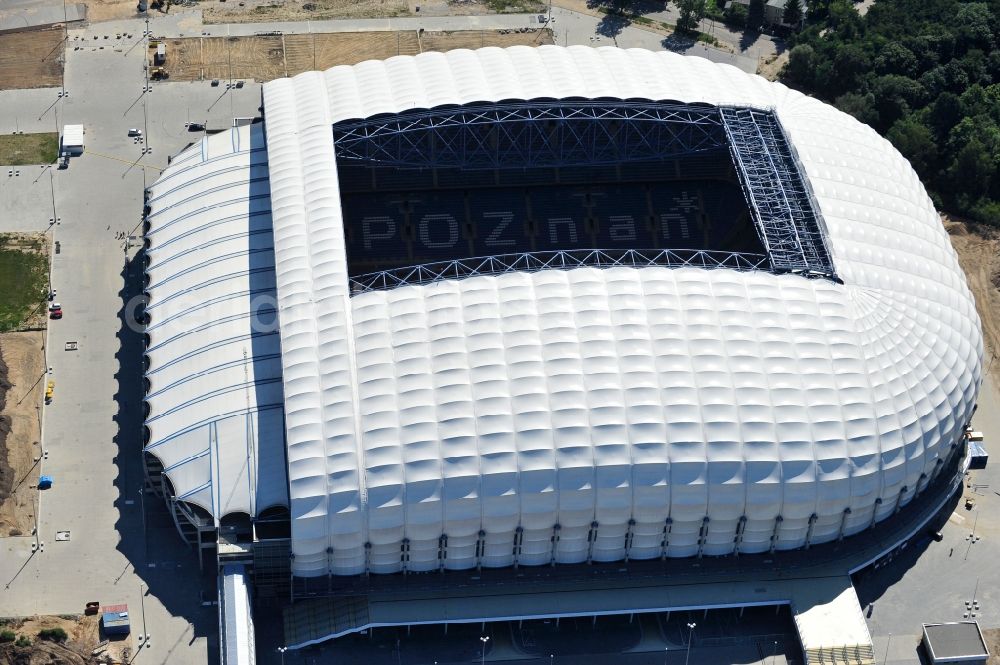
(792, 14)
(861, 107)
(895, 97)
(819, 10)
(916, 142)
(844, 19)
(894, 58)
(691, 13)
(925, 73)
(801, 68)
(945, 113)
(735, 15)
(850, 64)
(755, 14)
(972, 170)
(974, 20)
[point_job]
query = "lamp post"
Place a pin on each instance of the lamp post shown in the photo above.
(282, 651)
(144, 638)
(691, 627)
(484, 640)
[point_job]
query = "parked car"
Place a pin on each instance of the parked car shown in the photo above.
(196, 127)
(135, 132)
(55, 313)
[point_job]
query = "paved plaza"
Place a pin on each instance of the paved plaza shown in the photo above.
(92, 430)
(932, 581)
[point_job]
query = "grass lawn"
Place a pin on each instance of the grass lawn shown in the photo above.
(20, 149)
(23, 285)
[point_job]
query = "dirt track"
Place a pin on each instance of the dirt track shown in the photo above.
(978, 249)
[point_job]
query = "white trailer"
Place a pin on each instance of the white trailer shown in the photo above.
(72, 140)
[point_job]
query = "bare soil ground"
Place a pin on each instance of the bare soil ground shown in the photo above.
(32, 59)
(83, 639)
(264, 58)
(978, 249)
(771, 67)
(992, 637)
(255, 11)
(22, 384)
(110, 10)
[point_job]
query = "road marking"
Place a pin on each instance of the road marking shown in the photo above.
(124, 161)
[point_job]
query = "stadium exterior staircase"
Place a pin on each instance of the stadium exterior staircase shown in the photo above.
(857, 654)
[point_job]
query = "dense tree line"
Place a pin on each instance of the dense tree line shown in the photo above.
(924, 73)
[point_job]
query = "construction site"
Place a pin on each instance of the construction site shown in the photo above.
(267, 57)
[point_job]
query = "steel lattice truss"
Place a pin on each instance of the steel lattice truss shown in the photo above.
(786, 215)
(558, 260)
(531, 134)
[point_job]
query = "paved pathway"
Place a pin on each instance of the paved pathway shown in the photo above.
(932, 585)
(92, 429)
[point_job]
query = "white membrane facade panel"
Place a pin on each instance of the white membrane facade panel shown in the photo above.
(214, 394)
(603, 413)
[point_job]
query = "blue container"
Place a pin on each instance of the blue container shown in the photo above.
(115, 623)
(44, 482)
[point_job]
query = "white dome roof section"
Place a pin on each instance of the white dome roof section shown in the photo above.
(603, 413)
(214, 392)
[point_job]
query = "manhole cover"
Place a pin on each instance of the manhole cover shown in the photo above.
(62, 535)
(72, 346)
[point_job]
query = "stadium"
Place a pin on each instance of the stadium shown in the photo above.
(477, 312)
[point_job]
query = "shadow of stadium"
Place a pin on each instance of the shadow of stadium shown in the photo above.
(147, 535)
(871, 583)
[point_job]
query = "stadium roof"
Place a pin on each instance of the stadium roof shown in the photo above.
(622, 407)
(215, 416)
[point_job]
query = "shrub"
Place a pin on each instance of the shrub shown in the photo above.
(23, 641)
(53, 635)
(7, 635)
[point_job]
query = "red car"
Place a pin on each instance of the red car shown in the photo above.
(55, 311)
